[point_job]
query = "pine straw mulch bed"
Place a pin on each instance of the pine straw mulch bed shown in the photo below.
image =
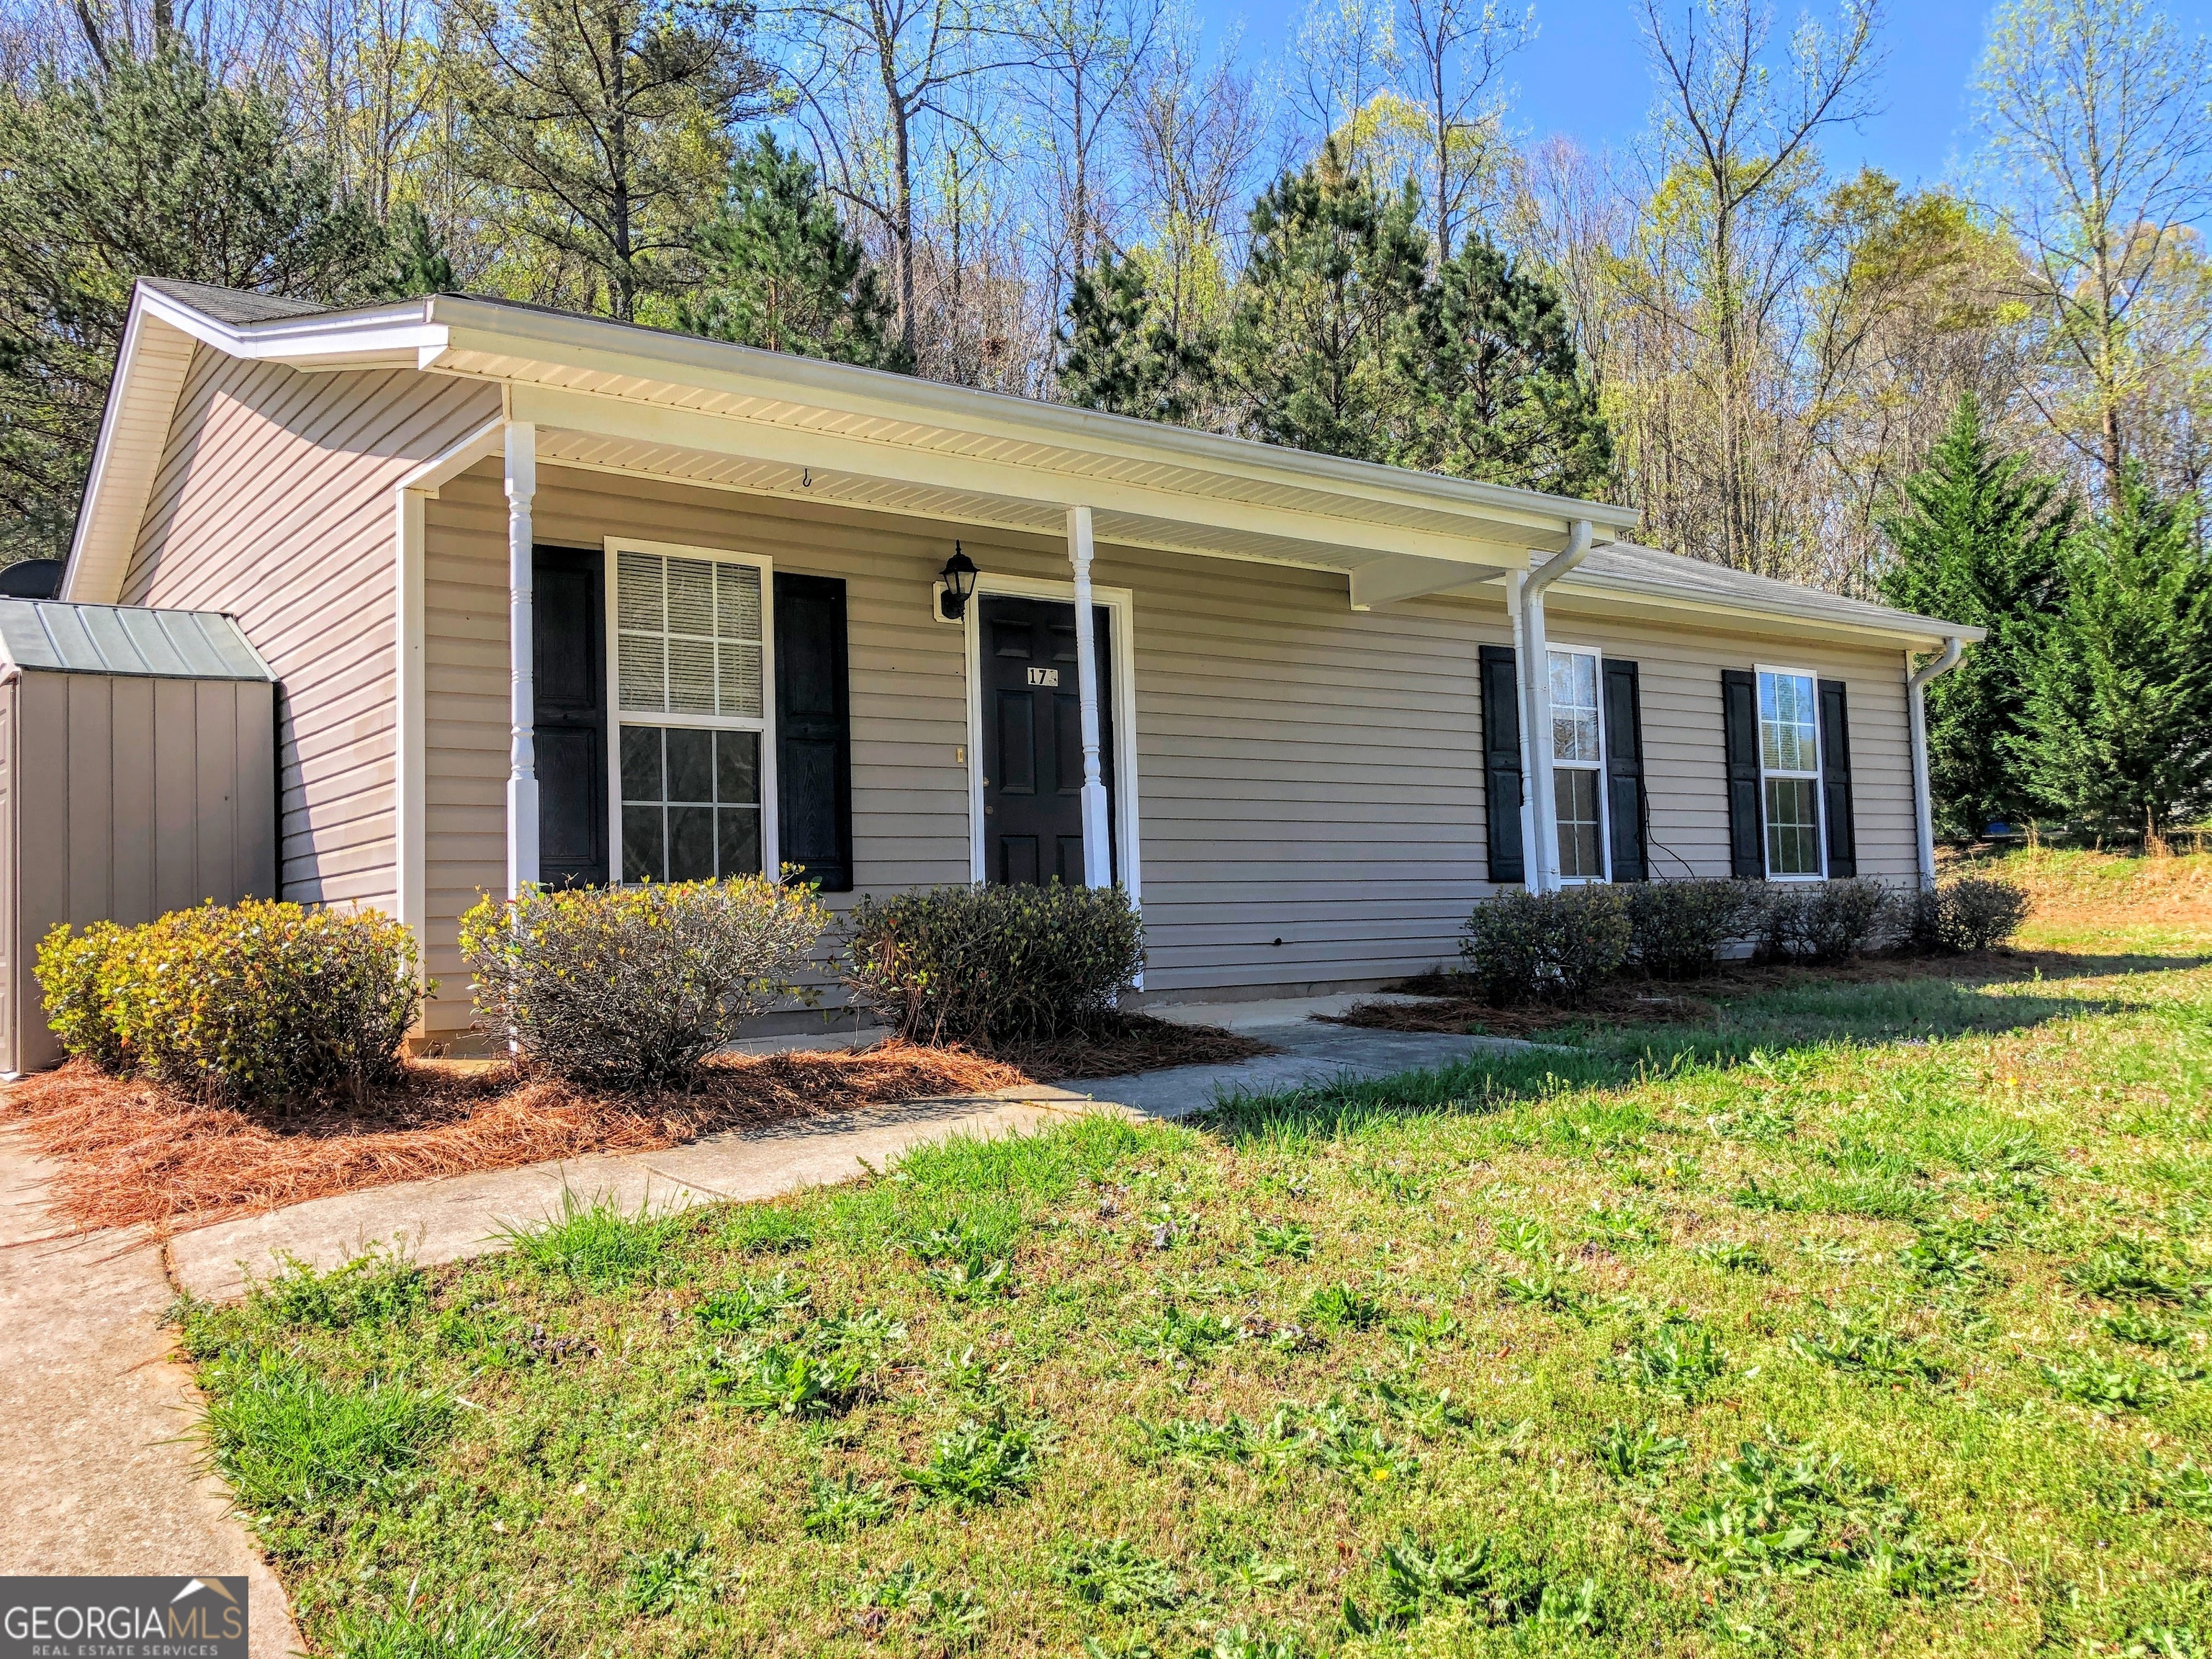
(133, 1154)
(1452, 1002)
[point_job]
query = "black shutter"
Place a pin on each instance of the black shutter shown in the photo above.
(1501, 762)
(1739, 739)
(1836, 780)
(813, 731)
(1626, 817)
(569, 660)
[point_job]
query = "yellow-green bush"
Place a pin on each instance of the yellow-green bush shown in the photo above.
(255, 1004)
(632, 987)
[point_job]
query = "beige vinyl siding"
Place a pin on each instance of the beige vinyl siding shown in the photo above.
(1306, 773)
(274, 502)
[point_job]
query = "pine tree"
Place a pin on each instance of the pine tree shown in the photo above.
(1505, 396)
(780, 271)
(149, 168)
(1978, 538)
(1118, 353)
(2120, 715)
(1317, 353)
(419, 265)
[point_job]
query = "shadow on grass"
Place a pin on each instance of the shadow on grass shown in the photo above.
(1801, 1017)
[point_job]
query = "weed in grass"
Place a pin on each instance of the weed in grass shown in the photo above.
(1253, 1642)
(1525, 1237)
(971, 1281)
(1344, 1308)
(594, 1243)
(2132, 1269)
(1363, 1453)
(1785, 1509)
(1430, 1413)
(1678, 1360)
(1419, 1331)
(1733, 1256)
(382, 1287)
(2145, 1330)
(658, 1582)
(827, 1369)
(458, 1631)
(1853, 1342)
(957, 1620)
(752, 1305)
(2111, 1386)
(1548, 1289)
(1288, 1241)
(978, 1380)
(283, 1437)
(1950, 1251)
(1114, 1575)
(1638, 1456)
(904, 1586)
(1760, 1124)
(1182, 1337)
(983, 1462)
(1485, 1580)
(835, 1508)
(1628, 1231)
(1193, 1440)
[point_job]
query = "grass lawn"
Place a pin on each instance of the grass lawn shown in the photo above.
(1866, 1318)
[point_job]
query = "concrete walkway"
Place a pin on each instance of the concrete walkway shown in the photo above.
(105, 1479)
(461, 1216)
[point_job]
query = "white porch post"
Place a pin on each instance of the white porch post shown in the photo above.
(1532, 656)
(522, 716)
(1097, 849)
(1516, 607)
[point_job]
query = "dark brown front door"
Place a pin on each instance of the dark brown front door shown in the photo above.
(1033, 738)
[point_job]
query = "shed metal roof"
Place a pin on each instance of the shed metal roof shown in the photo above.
(121, 639)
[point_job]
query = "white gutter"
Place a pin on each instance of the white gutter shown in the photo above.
(1924, 814)
(1540, 827)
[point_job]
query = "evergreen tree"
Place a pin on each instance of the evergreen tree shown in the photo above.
(1978, 538)
(1504, 393)
(151, 167)
(1316, 352)
(780, 271)
(2120, 715)
(419, 265)
(1119, 352)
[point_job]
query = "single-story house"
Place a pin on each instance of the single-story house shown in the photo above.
(555, 599)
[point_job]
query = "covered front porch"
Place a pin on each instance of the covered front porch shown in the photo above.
(645, 639)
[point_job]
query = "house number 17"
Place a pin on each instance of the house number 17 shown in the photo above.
(1044, 677)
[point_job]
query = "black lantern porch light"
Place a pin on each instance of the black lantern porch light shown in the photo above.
(959, 578)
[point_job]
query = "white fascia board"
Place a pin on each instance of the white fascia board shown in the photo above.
(596, 346)
(149, 373)
(395, 335)
(1922, 631)
(829, 452)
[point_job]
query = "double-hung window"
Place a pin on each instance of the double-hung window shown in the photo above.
(1577, 763)
(690, 644)
(1789, 770)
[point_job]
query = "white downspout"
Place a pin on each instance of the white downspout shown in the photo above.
(1097, 849)
(1923, 812)
(522, 667)
(1534, 658)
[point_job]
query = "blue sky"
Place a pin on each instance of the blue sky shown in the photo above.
(1587, 75)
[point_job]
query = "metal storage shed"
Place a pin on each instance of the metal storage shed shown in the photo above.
(137, 777)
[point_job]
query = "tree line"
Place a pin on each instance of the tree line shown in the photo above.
(1350, 249)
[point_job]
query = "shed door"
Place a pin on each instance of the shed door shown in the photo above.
(1033, 739)
(571, 730)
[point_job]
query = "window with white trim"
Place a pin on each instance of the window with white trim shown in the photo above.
(1789, 770)
(1577, 763)
(692, 699)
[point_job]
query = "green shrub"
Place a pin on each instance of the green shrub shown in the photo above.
(1825, 921)
(252, 1004)
(1522, 944)
(1974, 913)
(68, 968)
(626, 987)
(1676, 928)
(968, 964)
